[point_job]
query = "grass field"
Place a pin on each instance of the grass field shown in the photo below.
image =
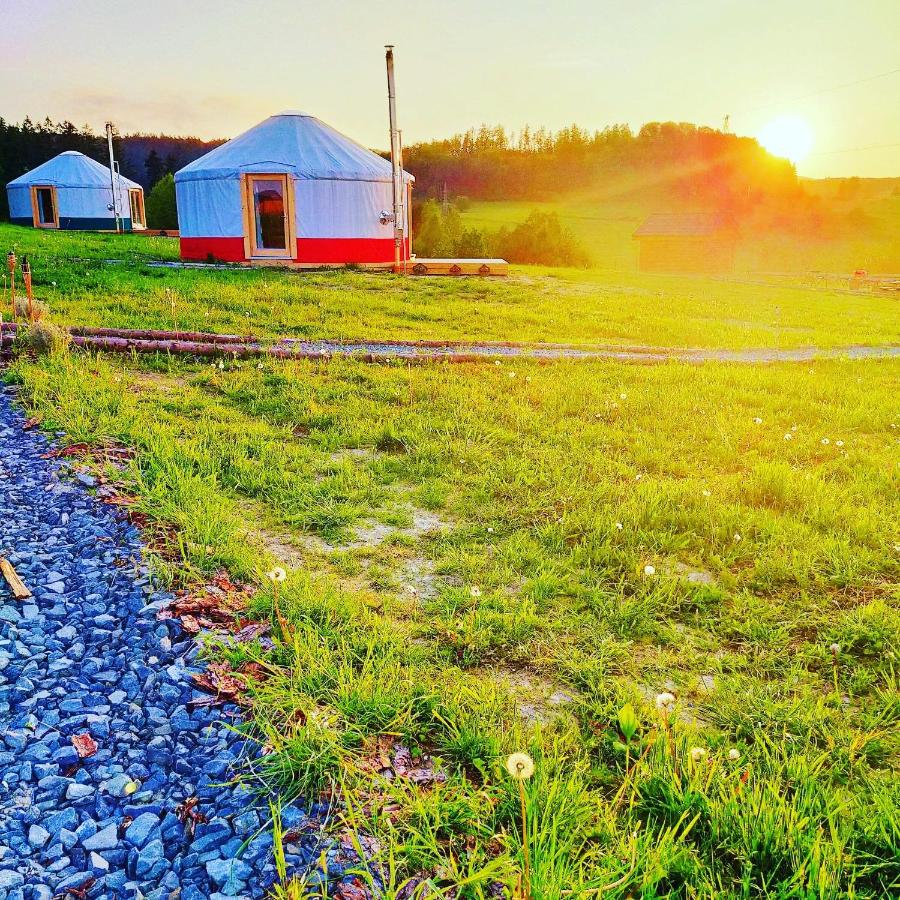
(869, 238)
(492, 558)
(567, 305)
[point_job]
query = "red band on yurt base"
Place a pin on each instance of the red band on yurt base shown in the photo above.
(310, 251)
(222, 249)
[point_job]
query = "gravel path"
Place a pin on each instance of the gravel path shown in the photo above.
(450, 350)
(86, 655)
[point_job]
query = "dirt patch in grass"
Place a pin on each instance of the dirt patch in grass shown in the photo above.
(538, 700)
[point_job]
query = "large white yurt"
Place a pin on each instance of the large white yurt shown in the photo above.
(73, 191)
(291, 189)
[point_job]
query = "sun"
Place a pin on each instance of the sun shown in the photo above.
(787, 136)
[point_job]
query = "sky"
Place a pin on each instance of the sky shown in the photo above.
(213, 68)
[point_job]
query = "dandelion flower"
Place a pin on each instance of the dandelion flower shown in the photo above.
(475, 591)
(698, 754)
(277, 574)
(649, 570)
(520, 765)
(835, 649)
(734, 754)
(665, 702)
(757, 420)
(825, 441)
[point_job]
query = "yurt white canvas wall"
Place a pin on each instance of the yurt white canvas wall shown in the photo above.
(73, 192)
(292, 188)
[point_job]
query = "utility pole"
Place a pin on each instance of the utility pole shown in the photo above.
(396, 171)
(112, 177)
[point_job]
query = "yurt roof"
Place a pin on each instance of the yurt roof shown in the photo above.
(295, 143)
(70, 169)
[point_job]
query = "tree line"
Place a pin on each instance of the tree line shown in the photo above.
(676, 161)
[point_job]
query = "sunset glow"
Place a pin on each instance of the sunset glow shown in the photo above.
(787, 136)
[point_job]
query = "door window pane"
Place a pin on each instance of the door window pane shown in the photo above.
(137, 207)
(45, 206)
(268, 204)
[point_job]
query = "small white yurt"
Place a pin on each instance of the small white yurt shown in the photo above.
(73, 192)
(292, 189)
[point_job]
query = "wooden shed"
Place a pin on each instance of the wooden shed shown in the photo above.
(698, 243)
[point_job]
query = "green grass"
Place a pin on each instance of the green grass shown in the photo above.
(564, 305)
(530, 467)
(468, 548)
(869, 237)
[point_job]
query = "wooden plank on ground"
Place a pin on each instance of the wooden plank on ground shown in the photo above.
(16, 585)
(483, 267)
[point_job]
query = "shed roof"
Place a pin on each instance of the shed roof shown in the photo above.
(680, 224)
(294, 143)
(70, 169)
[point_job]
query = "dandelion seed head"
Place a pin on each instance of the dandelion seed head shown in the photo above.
(757, 420)
(520, 765)
(734, 754)
(838, 443)
(619, 526)
(276, 575)
(737, 537)
(826, 441)
(475, 591)
(698, 754)
(788, 436)
(623, 396)
(665, 702)
(707, 493)
(835, 649)
(649, 570)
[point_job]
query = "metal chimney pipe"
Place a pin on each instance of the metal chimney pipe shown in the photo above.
(395, 159)
(112, 176)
